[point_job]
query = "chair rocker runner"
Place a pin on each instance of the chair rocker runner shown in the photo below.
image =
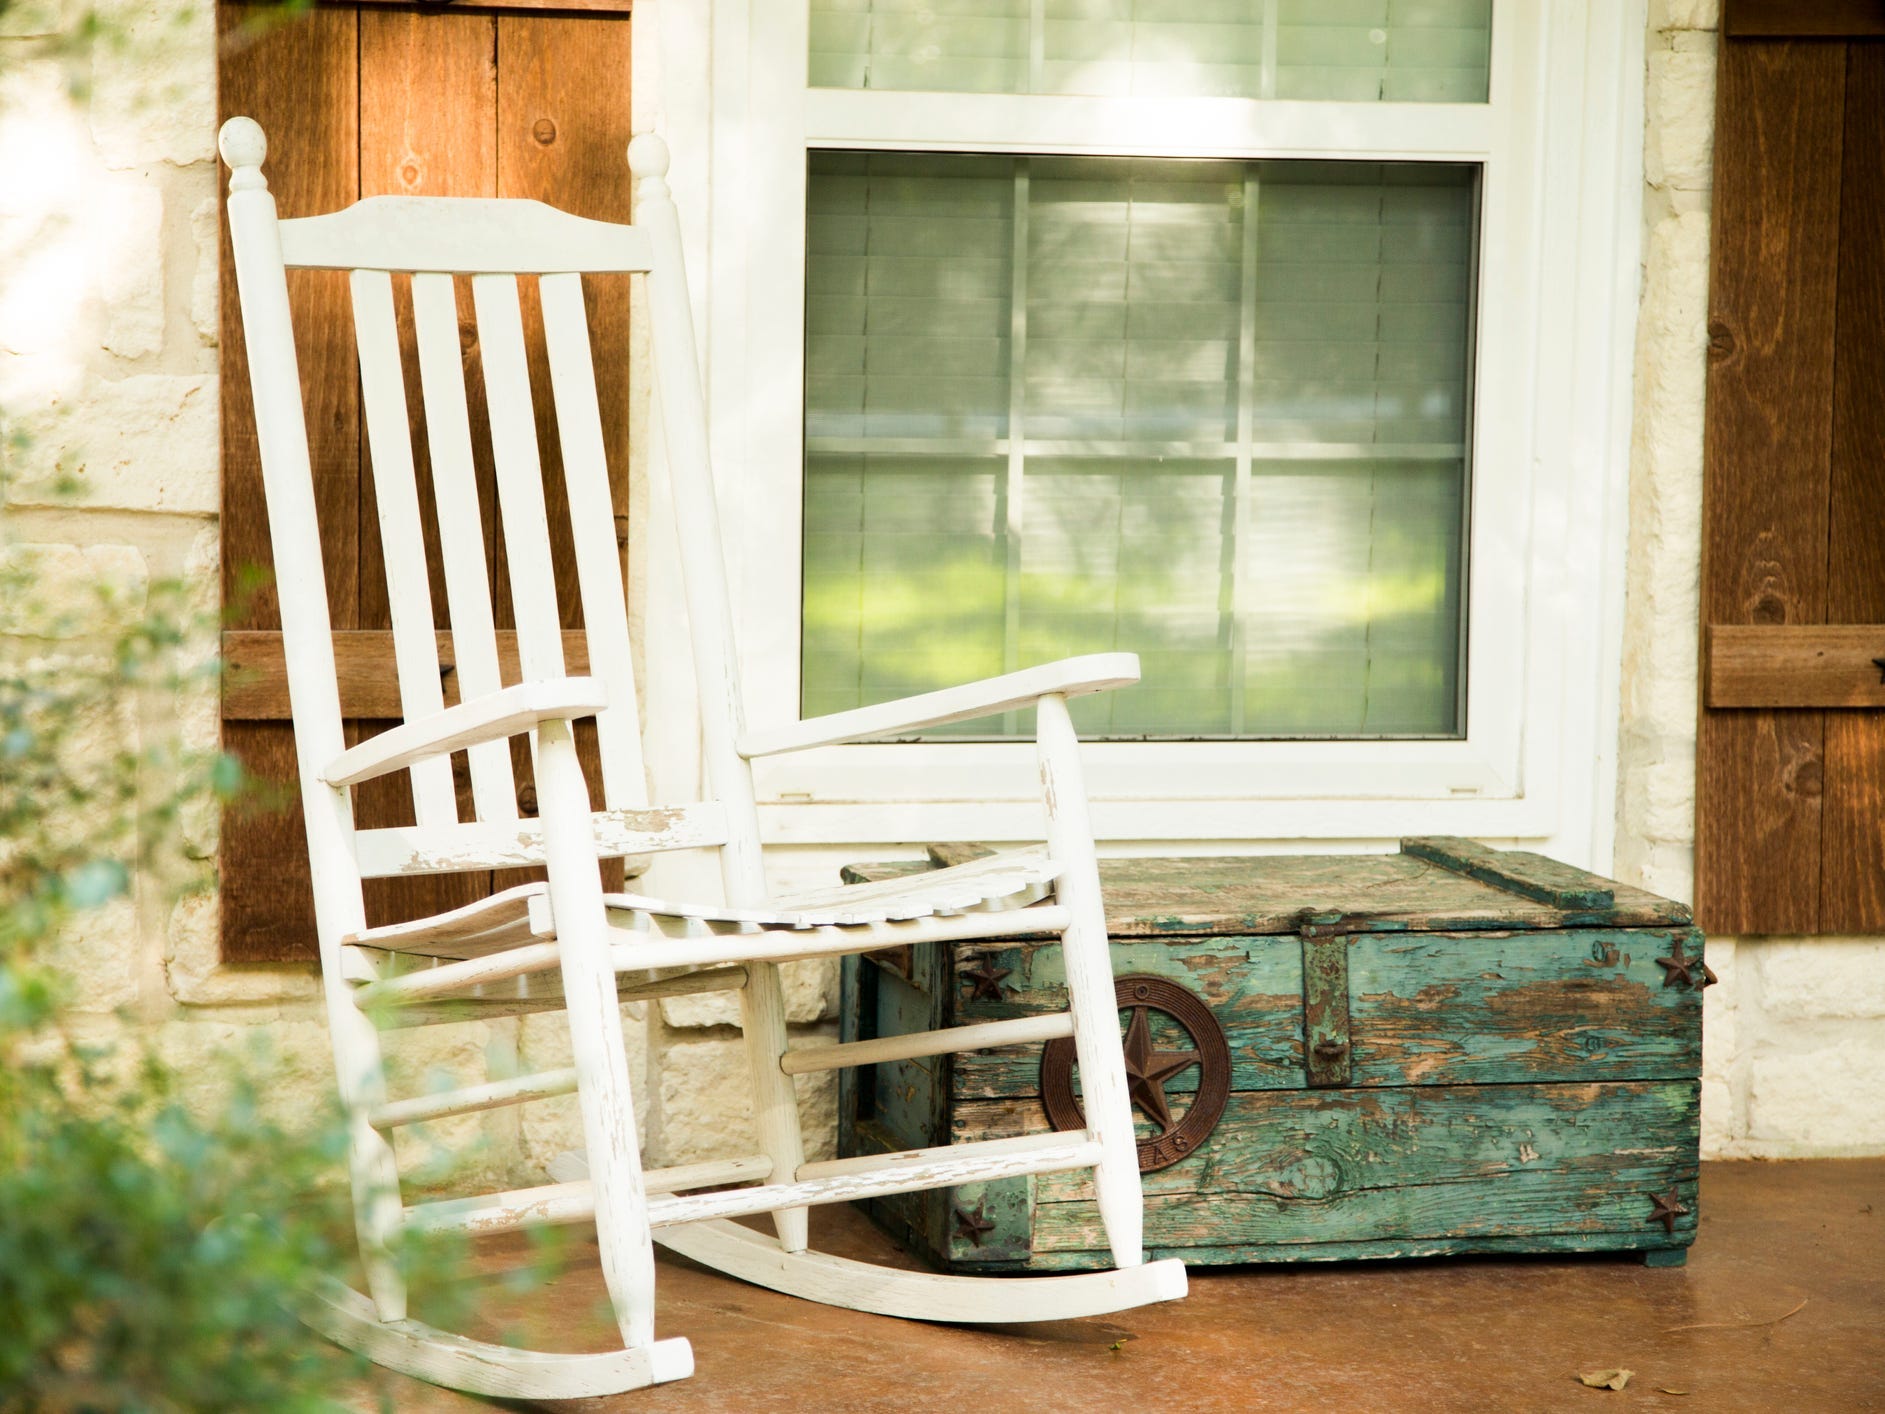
(566, 943)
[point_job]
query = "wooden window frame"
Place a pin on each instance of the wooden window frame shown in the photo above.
(1559, 141)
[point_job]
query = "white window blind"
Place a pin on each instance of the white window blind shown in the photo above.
(1345, 50)
(1210, 412)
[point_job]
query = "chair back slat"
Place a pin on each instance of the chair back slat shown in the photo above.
(396, 494)
(592, 529)
(461, 528)
(525, 520)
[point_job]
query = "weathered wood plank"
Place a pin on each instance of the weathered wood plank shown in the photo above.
(1767, 444)
(1852, 847)
(1803, 19)
(257, 685)
(301, 83)
(1278, 893)
(1514, 871)
(1356, 1173)
(1759, 665)
(1490, 1008)
(593, 7)
(1253, 985)
(427, 99)
(1424, 1009)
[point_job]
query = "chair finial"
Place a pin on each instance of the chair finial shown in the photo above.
(648, 158)
(243, 145)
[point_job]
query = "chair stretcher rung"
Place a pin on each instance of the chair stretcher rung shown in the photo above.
(887, 1173)
(457, 977)
(904, 1158)
(950, 1039)
(572, 1202)
(473, 1098)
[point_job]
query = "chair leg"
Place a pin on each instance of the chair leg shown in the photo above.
(1091, 998)
(373, 1170)
(775, 1099)
(595, 1029)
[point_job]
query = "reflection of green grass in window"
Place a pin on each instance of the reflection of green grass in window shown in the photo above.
(1350, 620)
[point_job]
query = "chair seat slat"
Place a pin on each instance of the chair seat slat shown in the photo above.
(518, 844)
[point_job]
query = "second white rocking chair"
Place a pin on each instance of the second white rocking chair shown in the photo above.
(566, 943)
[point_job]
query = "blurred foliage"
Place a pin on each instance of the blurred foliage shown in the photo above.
(144, 1249)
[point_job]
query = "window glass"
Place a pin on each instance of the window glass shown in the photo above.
(1214, 413)
(1347, 50)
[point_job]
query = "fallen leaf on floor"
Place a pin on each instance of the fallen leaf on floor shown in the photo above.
(1606, 1379)
(1664, 1389)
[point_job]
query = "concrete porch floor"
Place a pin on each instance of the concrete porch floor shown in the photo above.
(1450, 1334)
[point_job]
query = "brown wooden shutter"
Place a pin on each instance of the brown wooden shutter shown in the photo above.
(359, 100)
(1790, 791)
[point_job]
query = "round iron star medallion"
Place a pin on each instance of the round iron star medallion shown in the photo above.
(1148, 1068)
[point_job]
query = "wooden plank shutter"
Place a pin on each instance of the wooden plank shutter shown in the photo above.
(1791, 749)
(360, 100)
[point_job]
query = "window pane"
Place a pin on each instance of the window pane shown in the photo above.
(1213, 413)
(1433, 51)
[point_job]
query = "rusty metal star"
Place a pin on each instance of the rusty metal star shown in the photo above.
(1677, 968)
(1669, 1207)
(1147, 1069)
(974, 1225)
(985, 980)
(1709, 978)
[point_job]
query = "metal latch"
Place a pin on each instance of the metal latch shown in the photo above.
(1326, 1051)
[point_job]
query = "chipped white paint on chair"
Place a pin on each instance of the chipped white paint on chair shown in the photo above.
(565, 943)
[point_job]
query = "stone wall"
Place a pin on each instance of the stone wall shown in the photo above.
(108, 328)
(109, 364)
(1795, 1052)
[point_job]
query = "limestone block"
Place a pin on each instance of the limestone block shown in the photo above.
(130, 256)
(146, 443)
(286, 1056)
(96, 957)
(706, 1103)
(205, 289)
(1684, 14)
(463, 1148)
(706, 1099)
(197, 975)
(154, 83)
(1816, 978)
(32, 19)
(818, 1112)
(1678, 150)
(811, 994)
(1669, 799)
(73, 591)
(1812, 1090)
(552, 1127)
(1720, 1123)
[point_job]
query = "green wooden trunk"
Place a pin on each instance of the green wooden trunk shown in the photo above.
(1449, 1049)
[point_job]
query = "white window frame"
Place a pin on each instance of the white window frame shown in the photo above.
(1559, 142)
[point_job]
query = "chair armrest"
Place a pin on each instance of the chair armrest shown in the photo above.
(1070, 677)
(496, 715)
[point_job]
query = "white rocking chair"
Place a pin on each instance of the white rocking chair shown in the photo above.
(566, 942)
